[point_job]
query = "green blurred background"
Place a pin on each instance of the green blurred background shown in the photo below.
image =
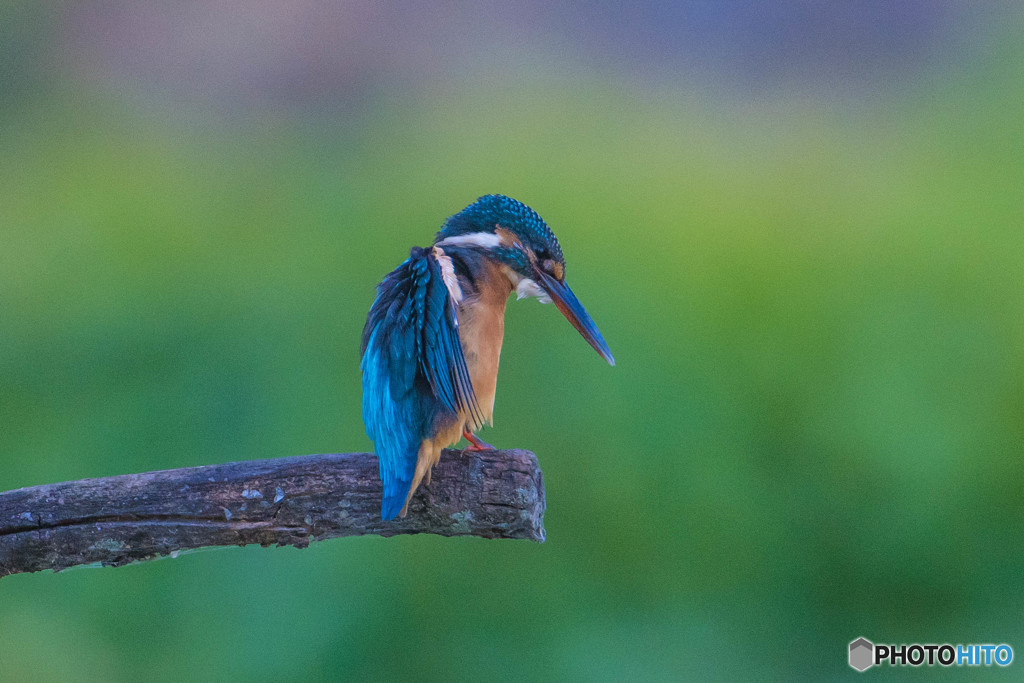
(798, 225)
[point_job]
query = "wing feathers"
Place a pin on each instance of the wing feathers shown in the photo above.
(413, 366)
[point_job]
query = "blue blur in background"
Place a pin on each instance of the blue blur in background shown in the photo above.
(798, 225)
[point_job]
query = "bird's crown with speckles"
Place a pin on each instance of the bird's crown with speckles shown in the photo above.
(491, 211)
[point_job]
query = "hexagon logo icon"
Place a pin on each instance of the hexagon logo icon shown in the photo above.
(862, 654)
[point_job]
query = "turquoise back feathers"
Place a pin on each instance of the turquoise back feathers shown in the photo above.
(418, 393)
(414, 370)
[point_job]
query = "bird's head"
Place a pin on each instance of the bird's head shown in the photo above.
(512, 235)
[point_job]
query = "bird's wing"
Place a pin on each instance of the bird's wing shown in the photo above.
(413, 368)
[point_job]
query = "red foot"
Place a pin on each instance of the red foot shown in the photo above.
(475, 444)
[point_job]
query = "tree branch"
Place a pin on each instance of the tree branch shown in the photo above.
(282, 501)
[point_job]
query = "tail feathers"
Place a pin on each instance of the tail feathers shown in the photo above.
(395, 493)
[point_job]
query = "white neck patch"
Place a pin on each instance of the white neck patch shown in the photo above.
(485, 240)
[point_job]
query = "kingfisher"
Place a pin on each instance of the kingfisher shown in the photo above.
(432, 339)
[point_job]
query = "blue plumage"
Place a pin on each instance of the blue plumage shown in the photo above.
(422, 373)
(414, 370)
(496, 209)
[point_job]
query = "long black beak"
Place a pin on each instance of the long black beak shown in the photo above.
(574, 312)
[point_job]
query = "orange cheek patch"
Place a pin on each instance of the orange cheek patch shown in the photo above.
(506, 236)
(555, 268)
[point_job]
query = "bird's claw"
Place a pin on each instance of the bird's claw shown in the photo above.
(475, 444)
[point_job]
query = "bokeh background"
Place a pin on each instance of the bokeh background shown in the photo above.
(800, 226)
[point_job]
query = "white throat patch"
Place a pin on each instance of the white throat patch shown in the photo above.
(527, 287)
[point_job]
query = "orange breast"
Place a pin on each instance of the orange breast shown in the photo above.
(481, 331)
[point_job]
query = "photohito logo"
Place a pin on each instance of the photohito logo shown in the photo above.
(864, 654)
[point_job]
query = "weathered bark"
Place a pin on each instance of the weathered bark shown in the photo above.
(283, 501)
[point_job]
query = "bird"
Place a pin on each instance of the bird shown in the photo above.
(432, 339)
